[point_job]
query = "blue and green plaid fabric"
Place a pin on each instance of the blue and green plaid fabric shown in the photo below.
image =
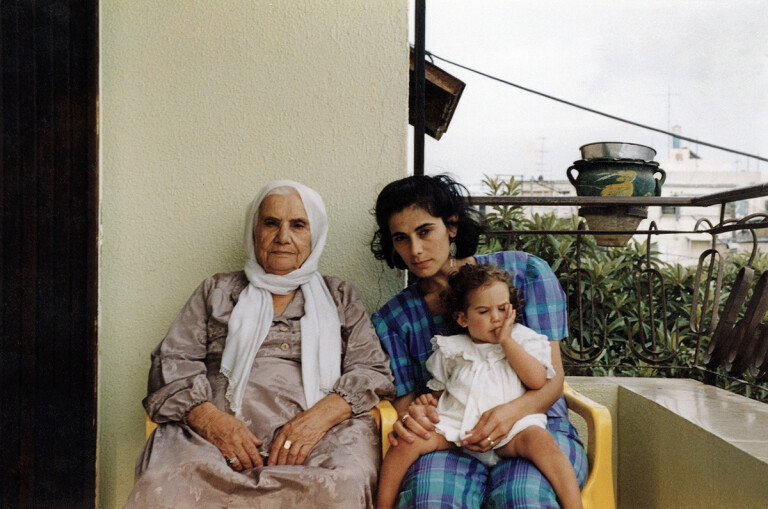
(450, 478)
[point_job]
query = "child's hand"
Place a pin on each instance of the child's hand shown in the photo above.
(505, 331)
(425, 399)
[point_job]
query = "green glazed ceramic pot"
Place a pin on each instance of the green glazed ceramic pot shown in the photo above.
(610, 177)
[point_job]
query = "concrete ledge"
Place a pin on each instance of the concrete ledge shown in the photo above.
(680, 443)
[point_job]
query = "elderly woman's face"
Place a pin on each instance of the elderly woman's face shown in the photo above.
(281, 234)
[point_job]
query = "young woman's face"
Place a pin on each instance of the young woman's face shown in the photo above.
(422, 240)
(281, 235)
(486, 311)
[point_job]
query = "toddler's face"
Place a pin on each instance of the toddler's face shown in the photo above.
(486, 311)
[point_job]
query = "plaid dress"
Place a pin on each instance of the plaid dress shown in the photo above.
(451, 478)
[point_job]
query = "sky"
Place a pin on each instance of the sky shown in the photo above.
(701, 65)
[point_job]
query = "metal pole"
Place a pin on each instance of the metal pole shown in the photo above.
(419, 89)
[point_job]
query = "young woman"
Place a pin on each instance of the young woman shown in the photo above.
(426, 226)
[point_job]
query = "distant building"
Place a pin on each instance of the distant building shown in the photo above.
(688, 175)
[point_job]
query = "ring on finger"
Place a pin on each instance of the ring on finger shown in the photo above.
(491, 442)
(231, 461)
(287, 445)
(405, 417)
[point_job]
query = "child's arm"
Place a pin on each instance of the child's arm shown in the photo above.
(531, 372)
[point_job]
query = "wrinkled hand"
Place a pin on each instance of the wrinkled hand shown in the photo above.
(419, 421)
(301, 434)
(228, 433)
(494, 424)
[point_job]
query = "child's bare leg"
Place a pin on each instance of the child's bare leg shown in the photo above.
(539, 446)
(396, 464)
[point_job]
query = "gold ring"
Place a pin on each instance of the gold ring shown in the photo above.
(406, 416)
(287, 445)
(491, 442)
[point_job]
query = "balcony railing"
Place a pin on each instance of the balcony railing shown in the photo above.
(721, 335)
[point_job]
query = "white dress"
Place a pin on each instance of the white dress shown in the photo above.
(477, 377)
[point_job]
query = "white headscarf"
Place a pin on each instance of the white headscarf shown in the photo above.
(252, 315)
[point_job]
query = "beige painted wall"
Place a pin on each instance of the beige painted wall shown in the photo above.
(202, 102)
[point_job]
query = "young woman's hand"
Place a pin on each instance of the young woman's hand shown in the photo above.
(492, 427)
(419, 420)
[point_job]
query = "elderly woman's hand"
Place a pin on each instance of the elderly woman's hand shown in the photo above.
(296, 438)
(299, 435)
(229, 434)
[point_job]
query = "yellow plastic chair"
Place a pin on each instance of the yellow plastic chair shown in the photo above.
(598, 490)
(385, 416)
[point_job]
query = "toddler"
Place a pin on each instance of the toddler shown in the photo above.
(472, 373)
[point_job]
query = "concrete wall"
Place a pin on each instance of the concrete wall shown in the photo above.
(679, 443)
(201, 103)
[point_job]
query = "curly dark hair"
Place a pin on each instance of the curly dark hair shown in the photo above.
(440, 196)
(471, 277)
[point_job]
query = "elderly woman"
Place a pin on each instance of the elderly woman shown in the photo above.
(262, 387)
